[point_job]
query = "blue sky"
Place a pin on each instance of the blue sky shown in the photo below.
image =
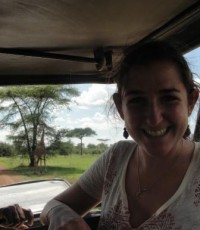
(193, 59)
(90, 109)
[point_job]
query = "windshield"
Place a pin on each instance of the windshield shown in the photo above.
(69, 125)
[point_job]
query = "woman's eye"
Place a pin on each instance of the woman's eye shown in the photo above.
(136, 101)
(170, 99)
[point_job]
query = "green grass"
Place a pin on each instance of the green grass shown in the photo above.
(65, 167)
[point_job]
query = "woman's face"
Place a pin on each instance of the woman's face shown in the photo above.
(155, 107)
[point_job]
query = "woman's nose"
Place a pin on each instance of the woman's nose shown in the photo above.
(154, 114)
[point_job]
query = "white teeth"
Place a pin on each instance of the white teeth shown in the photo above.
(156, 133)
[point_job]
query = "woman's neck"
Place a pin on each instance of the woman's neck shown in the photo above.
(181, 151)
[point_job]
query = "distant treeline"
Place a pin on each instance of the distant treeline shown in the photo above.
(59, 148)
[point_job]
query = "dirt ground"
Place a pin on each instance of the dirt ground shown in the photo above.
(7, 177)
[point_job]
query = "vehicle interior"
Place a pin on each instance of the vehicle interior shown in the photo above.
(77, 42)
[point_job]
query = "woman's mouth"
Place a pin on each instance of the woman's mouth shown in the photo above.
(156, 133)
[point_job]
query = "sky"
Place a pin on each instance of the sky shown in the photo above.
(91, 109)
(193, 59)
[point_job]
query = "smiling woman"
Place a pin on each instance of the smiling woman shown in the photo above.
(142, 182)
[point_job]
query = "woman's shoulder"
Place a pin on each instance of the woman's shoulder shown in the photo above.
(118, 151)
(123, 144)
(122, 148)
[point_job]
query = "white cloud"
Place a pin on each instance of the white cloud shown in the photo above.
(3, 134)
(6, 103)
(95, 95)
(67, 122)
(97, 122)
(99, 117)
(92, 96)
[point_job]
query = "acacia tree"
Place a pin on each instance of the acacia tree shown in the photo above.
(24, 109)
(80, 133)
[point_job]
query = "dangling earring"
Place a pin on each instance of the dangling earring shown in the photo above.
(125, 133)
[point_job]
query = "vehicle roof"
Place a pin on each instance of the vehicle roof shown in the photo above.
(64, 41)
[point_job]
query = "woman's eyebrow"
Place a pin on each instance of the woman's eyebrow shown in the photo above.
(140, 92)
(133, 92)
(171, 90)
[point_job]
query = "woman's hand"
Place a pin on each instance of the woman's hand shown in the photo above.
(15, 217)
(59, 216)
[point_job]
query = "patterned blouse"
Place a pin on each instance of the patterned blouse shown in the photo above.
(105, 180)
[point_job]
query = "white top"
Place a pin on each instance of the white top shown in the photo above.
(105, 180)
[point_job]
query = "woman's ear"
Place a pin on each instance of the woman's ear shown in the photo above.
(118, 103)
(193, 97)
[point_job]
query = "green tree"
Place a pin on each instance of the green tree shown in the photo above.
(57, 139)
(91, 146)
(96, 149)
(80, 133)
(24, 109)
(92, 149)
(61, 148)
(6, 150)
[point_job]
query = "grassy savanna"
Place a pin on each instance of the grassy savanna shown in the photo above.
(66, 167)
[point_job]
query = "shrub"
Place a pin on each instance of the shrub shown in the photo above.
(6, 150)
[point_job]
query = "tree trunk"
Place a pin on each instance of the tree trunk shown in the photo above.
(81, 146)
(32, 160)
